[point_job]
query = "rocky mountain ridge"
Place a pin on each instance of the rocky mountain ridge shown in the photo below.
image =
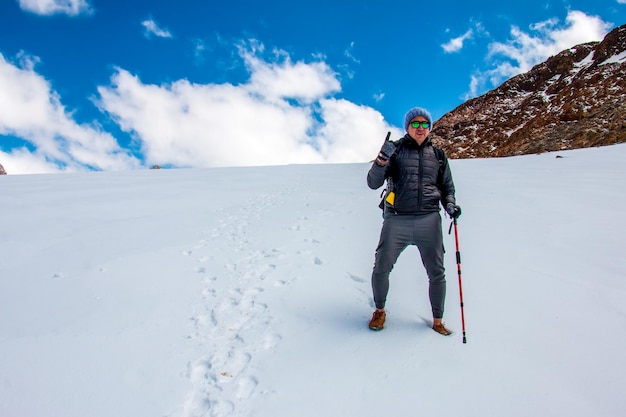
(575, 99)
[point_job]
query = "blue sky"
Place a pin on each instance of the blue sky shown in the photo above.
(113, 85)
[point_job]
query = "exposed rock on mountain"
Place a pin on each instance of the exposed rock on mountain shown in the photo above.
(2, 170)
(576, 99)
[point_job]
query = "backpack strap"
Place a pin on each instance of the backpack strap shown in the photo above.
(388, 193)
(443, 161)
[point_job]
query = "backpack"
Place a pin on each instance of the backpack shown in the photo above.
(389, 196)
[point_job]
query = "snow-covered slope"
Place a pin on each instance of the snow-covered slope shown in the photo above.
(245, 292)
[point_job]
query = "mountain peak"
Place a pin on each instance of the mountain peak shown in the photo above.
(575, 99)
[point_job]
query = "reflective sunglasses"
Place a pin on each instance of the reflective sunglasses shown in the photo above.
(424, 125)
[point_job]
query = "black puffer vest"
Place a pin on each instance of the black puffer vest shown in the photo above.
(413, 171)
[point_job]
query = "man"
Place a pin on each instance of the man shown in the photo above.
(415, 188)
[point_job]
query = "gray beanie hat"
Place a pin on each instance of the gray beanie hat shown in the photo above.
(414, 112)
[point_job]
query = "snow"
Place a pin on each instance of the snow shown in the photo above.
(588, 60)
(618, 58)
(245, 292)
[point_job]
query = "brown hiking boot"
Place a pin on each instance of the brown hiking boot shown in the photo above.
(441, 329)
(378, 320)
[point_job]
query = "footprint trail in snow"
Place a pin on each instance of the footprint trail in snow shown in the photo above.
(232, 327)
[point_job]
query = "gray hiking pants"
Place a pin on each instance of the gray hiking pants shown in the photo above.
(398, 232)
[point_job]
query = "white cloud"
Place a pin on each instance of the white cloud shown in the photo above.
(350, 133)
(621, 1)
(22, 161)
(350, 54)
(51, 7)
(285, 79)
(151, 28)
(525, 50)
(199, 49)
(31, 110)
(456, 44)
(283, 114)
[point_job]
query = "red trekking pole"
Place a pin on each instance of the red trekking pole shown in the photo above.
(458, 267)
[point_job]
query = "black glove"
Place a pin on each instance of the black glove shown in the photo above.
(453, 210)
(388, 149)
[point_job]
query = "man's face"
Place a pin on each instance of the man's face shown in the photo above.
(417, 131)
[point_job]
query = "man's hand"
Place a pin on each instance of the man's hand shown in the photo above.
(387, 151)
(453, 210)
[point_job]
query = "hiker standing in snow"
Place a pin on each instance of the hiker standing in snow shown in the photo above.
(415, 187)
